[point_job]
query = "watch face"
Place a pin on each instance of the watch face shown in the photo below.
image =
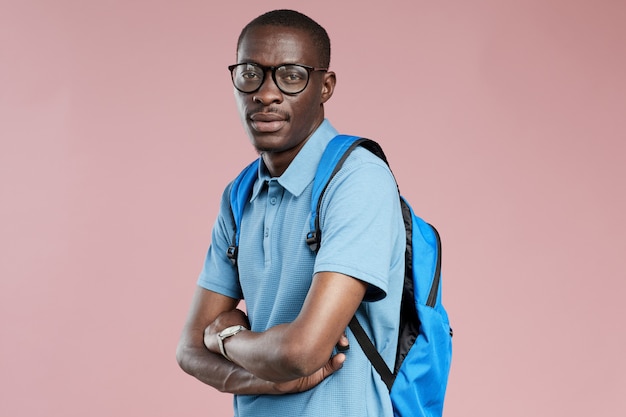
(232, 330)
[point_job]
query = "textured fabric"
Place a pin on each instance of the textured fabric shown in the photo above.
(363, 236)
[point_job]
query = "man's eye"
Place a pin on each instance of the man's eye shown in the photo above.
(292, 77)
(249, 75)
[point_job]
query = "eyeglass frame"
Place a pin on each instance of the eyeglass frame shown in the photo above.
(273, 69)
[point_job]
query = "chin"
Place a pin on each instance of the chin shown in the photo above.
(267, 143)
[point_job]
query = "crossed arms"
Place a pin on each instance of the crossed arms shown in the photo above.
(290, 357)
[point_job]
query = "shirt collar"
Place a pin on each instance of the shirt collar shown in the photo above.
(301, 171)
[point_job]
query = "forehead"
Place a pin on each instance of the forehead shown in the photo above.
(272, 45)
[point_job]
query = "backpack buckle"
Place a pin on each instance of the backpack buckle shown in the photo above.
(231, 252)
(312, 239)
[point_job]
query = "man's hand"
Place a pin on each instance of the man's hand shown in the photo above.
(306, 383)
(238, 317)
(224, 320)
(296, 349)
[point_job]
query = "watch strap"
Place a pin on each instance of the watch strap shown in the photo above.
(225, 334)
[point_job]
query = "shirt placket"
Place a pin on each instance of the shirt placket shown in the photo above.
(270, 233)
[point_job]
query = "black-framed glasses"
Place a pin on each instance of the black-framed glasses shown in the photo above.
(248, 77)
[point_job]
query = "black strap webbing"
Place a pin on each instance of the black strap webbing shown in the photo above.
(370, 351)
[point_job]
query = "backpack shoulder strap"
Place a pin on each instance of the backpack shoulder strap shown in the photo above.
(240, 191)
(335, 154)
(337, 151)
(372, 354)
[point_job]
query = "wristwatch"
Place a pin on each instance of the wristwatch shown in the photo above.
(225, 334)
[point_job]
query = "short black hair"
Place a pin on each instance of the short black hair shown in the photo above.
(293, 19)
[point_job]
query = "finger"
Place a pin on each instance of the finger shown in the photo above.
(335, 363)
(343, 344)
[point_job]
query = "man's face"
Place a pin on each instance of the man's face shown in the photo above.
(277, 122)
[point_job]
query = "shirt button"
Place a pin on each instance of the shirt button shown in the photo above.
(273, 200)
(267, 232)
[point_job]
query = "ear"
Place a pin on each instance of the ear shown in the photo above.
(328, 85)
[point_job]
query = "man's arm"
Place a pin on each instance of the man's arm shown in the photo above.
(196, 360)
(298, 349)
(214, 370)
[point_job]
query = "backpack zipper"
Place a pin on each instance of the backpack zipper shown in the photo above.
(434, 289)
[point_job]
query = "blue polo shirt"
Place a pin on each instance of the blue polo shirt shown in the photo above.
(363, 237)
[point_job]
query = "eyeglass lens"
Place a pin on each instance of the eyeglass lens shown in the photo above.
(290, 79)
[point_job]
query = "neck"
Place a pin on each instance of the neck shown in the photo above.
(278, 162)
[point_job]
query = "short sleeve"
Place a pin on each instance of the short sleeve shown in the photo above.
(218, 274)
(362, 231)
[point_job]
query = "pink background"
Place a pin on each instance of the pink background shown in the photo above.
(504, 122)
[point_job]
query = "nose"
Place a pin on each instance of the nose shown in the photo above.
(268, 93)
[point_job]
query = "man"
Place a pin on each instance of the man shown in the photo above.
(288, 355)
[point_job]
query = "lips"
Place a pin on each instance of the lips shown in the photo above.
(267, 122)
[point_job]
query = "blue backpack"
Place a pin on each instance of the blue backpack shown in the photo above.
(417, 384)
